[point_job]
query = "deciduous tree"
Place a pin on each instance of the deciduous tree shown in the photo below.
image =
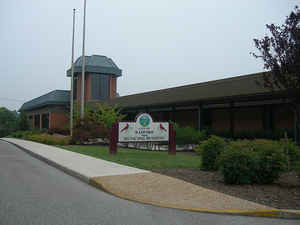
(280, 52)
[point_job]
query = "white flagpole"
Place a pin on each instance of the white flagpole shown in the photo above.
(83, 65)
(72, 78)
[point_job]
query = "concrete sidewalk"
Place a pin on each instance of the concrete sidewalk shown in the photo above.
(144, 186)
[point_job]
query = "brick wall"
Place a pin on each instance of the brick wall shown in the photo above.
(283, 117)
(58, 120)
(113, 87)
(248, 119)
(220, 119)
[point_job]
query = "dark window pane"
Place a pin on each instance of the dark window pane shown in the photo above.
(100, 86)
(37, 121)
(45, 121)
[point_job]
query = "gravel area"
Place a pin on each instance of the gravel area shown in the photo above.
(284, 194)
(165, 190)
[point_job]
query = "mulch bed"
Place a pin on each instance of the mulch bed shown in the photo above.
(283, 194)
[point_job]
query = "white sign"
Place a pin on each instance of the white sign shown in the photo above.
(144, 129)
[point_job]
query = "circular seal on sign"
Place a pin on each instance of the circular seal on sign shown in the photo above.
(144, 120)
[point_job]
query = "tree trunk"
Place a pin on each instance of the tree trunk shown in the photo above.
(297, 125)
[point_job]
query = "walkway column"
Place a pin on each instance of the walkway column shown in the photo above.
(200, 116)
(41, 125)
(232, 119)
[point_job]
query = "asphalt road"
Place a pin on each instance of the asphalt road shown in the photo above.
(32, 192)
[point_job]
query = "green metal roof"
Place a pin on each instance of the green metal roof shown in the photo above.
(56, 97)
(96, 64)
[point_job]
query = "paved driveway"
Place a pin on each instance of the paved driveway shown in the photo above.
(32, 192)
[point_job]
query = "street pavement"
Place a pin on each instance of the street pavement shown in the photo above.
(32, 192)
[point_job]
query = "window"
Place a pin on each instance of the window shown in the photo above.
(37, 121)
(45, 121)
(100, 86)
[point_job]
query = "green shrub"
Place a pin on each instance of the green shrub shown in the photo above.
(209, 151)
(258, 161)
(271, 163)
(49, 140)
(297, 169)
(59, 131)
(238, 165)
(24, 134)
(188, 135)
(293, 151)
(86, 129)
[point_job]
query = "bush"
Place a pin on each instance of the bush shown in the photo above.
(238, 165)
(209, 151)
(25, 134)
(267, 134)
(297, 169)
(257, 161)
(59, 131)
(188, 135)
(293, 151)
(49, 140)
(86, 129)
(271, 163)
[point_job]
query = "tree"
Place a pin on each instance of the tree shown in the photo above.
(97, 121)
(281, 55)
(23, 123)
(8, 121)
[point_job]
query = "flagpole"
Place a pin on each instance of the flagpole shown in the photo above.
(72, 78)
(83, 65)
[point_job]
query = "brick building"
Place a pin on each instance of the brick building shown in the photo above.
(231, 105)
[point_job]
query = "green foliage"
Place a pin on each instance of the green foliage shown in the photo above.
(8, 121)
(103, 114)
(297, 169)
(257, 161)
(96, 122)
(209, 151)
(24, 134)
(23, 123)
(270, 165)
(86, 129)
(291, 149)
(188, 135)
(59, 131)
(49, 140)
(261, 134)
(238, 165)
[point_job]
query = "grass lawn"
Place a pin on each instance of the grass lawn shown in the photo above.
(147, 160)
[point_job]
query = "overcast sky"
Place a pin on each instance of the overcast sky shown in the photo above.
(158, 43)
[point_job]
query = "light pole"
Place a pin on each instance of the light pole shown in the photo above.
(72, 78)
(83, 66)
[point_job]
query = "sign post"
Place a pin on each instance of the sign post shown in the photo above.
(142, 130)
(113, 136)
(172, 141)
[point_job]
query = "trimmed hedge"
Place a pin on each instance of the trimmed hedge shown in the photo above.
(25, 134)
(188, 135)
(209, 151)
(49, 140)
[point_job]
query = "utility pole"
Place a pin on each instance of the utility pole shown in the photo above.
(83, 66)
(72, 78)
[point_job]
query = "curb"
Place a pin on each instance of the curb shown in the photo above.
(269, 213)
